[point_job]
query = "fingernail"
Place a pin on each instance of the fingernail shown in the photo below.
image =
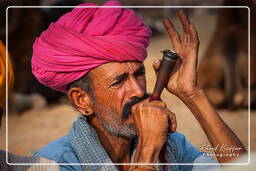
(156, 61)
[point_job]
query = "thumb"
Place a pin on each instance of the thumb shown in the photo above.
(156, 65)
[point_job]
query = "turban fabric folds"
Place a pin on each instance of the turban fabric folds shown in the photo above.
(86, 38)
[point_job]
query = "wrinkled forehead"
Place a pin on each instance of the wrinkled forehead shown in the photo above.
(112, 69)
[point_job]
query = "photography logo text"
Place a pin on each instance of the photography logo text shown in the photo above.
(221, 150)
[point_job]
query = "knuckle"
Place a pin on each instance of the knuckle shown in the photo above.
(172, 115)
(142, 105)
(158, 103)
(165, 117)
(163, 103)
(165, 112)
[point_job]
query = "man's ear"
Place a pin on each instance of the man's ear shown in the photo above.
(81, 101)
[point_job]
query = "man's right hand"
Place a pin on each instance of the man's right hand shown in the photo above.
(152, 122)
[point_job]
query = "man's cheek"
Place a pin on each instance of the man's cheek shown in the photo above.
(119, 99)
(143, 83)
(106, 97)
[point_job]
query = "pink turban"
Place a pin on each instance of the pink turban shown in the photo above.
(86, 38)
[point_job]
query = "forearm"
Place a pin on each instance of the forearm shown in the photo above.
(146, 154)
(218, 133)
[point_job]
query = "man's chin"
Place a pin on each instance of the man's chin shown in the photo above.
(126, 131)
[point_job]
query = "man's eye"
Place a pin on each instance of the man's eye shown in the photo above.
(117, 83)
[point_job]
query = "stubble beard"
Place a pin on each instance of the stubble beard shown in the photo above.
(114, 125)
(127, 131)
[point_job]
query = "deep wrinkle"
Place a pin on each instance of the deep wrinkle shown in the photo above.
(116, 134)
(114, 102)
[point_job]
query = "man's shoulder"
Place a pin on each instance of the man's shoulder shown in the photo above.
(187, 152)
(177, 136)
(59, 150)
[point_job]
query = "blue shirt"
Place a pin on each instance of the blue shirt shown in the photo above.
(61, 151)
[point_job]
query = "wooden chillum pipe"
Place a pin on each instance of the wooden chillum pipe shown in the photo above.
(166, 67)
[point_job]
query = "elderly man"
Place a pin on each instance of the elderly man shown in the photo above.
(95, 56)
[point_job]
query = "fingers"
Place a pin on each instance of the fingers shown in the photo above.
(184, 21)
(158, 103)
(189, 31)
(172, 122)
(194, 35)
(156, 65)
(173, 34)
(171, 116)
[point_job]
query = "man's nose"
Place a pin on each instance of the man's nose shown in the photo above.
(135, 88)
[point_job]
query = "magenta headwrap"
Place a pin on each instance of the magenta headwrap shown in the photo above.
(86, 38)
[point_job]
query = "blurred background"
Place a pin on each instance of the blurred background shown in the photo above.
(37, 115)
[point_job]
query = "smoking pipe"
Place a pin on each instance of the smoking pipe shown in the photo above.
(166, 67)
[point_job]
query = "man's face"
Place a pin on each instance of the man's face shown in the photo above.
(116, 87)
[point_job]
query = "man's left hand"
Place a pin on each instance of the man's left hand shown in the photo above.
(183, 80)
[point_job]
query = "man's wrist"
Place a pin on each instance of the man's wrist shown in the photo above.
(147, 153)
(143, 167)
(192, 96)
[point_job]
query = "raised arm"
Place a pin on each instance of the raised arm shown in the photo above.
(183, 84)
